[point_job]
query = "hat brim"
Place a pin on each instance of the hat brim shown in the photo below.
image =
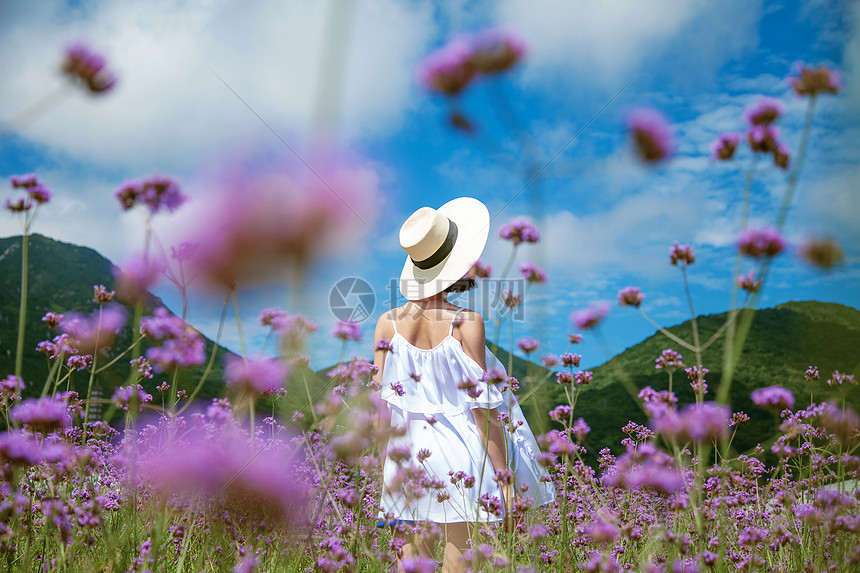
(473, 226)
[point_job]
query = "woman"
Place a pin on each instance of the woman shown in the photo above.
(454, 464)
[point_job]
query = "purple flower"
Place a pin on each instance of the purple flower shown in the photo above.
(480, 271)
(651, 134)
(136, 277)
(156, 193)
(757, 242)
(724, 147)
(668, 360)
(510, 299)
(132, 396)
(838, 378)
(518, 230)
(496, 50)
(52, 319)
(549, 360)
(580, 429)
(527, 345)
(775, 397)
(223, 469)
(96, 331)
(293, 328)
(810, 82)
(102, 295)
(18, 449)
(383, 344)
(560, 413)
(533, 273)
(181, 345)
(449, 69)
(575, 338)
(347, 330)
(763, 138)
(583, 377)
(255, 377)
(569, 360)
(699, 423)
(88, 68)
(844, 425)
(418, 564)
(42, 415)
(590, 317)
(564, 377)
(11, 388)
(630, 296)
(681, 254)
(748, 282)
(822, 253)
(781, 156)
(812, 374)
(764, 112)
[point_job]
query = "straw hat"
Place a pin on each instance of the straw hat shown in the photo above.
(442, 245)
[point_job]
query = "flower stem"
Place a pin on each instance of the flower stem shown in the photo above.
(22, 311)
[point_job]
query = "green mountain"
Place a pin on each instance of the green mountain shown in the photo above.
(783, 341)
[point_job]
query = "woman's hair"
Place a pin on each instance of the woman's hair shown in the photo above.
(462, 285)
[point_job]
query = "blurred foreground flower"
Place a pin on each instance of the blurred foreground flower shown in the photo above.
(775, 397)
(812, 81)
(181, 345)
(757, 242)
(255, 377)
(630, 296)
(590, 317)
(221, 471)
(136, 278)
(764, 112)
(724, 147)
(518, 230)
(681, 254)
(651, 134)
(96, 331)
(86, 67)
(347, 330)
(496, 50)
(822, 253)
(260, 215)
(42, 415)
(155, 193)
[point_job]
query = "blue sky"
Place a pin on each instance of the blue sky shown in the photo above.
(607, 221)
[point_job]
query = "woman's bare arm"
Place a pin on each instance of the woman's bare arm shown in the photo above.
(384, 330)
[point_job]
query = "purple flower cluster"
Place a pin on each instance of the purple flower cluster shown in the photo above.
(156, 193)
(533, 273)
(88, 68)
(255, 377)
(36, 193)
(132, 397)
(758, 242)
(652, 135)
(724, 147)
(527, 345)
(518, 231)
(181, 345)
(451, 68)
(668, 360)
(697, 423)
(43, 415)
(347, 330)
(91, 333)
(10, 389)
(748, 282)
(590, 317)
(813, 81)
(630, 296)
(681, 254)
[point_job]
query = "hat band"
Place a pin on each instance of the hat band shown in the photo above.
(443, 251)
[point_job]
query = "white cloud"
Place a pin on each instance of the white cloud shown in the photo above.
(607, 41)
(169, 109)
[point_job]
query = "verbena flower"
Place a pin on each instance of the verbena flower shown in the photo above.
(88, 68)
(480, 271)
(383, 344)
(812, 374)
(10, 389)
(668, 360)
(255, 377)
(569, 360)
(764, 112)
(583, 377)
(533, 273)
(91, 333)
(630, 296)
(698, 423)
(549, 360)
(156, 193)
(681, 254)
(574, 338)
(137, 277)
(724, 147)
(748, 282)
(52, 319)
(822, 253)
(519, 230)
(449, 69)
(763, 138)
(758, 242)
(131, 396)
(775, 397)
(496, 50)
(346, 330)
(527, 345)
(102, 295)
(813, 81)
(19, 450)
(651, 133)
(42, 415)
(590, 317)
(838, 378)
(181, 345)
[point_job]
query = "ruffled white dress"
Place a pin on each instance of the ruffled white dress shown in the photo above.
(420, 386)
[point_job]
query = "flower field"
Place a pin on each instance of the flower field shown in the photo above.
(165, 481)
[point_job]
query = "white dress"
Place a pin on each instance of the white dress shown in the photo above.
(420, 385)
